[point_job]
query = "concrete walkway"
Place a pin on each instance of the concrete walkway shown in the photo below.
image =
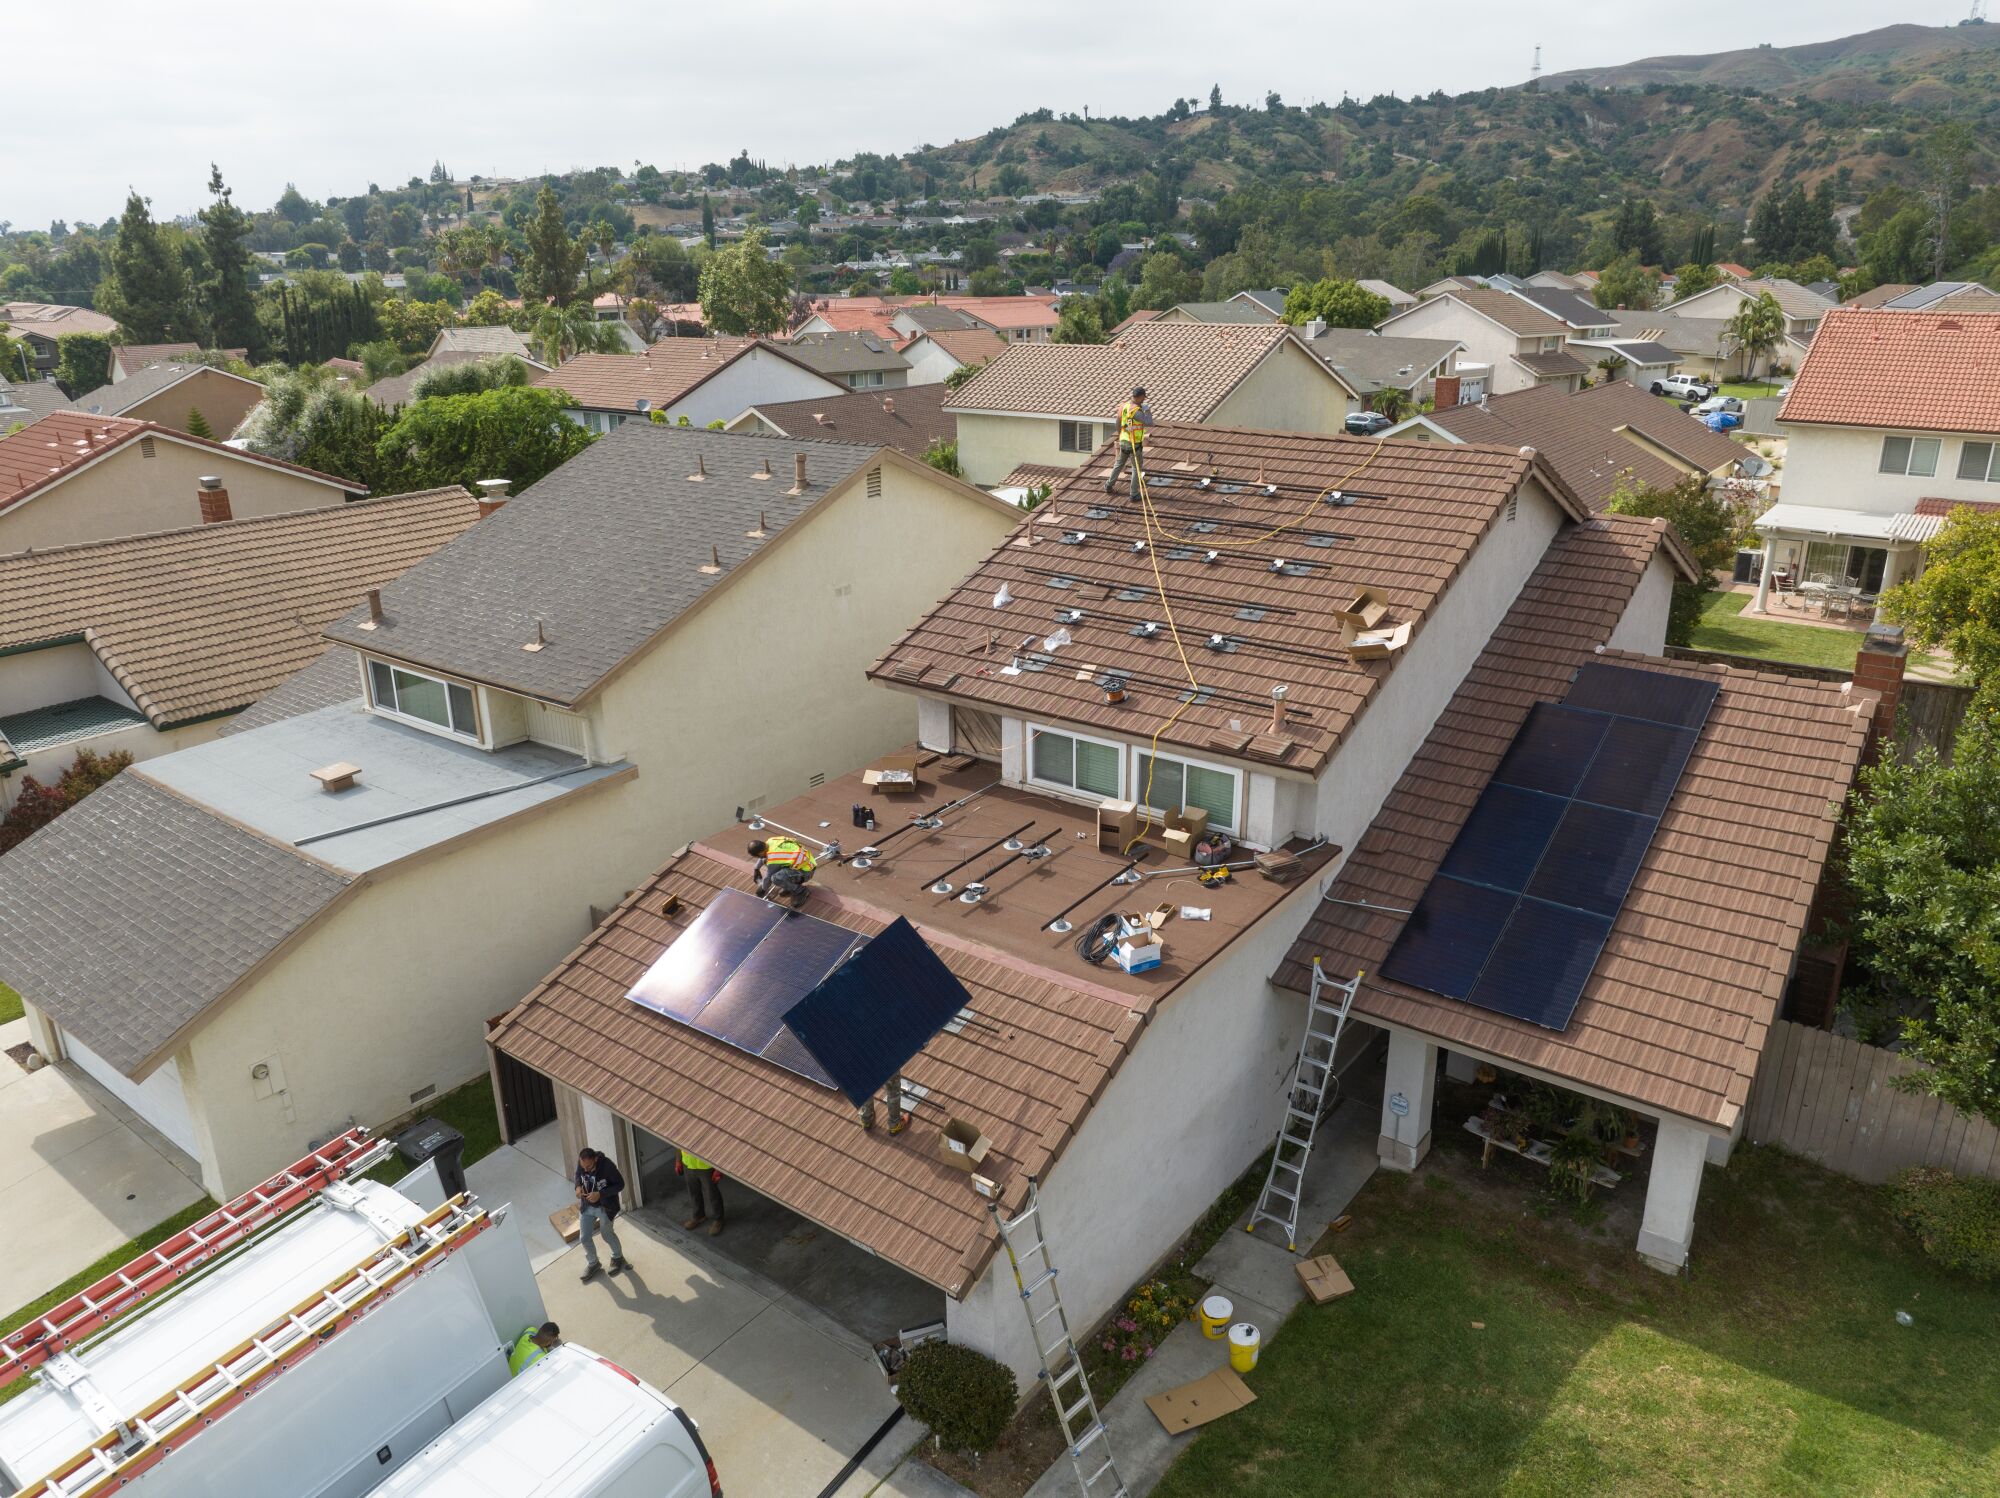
(80, 1175)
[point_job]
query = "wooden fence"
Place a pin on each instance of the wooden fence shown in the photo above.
(1829, 1098)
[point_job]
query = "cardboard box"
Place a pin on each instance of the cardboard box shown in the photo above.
(565, 1222)
(1191, 820)
(893, 774)
(1208, 1398)
(962, 1146)
(1377, 644)
(1360, 610)
(1117, 825)
(1324, 1279)
(1179, 842)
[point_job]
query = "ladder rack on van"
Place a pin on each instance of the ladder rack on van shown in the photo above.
(135, 1443)
(122, 1291)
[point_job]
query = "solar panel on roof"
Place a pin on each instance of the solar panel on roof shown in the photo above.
(1591, 860)
(748, 1009)
(1445, 943)
(1540, 963)
(689, 973)
(1637, 766)
(1552, 750)
(1503, 840)
(1655, 696)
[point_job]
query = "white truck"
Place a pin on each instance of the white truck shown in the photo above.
(308, 1339)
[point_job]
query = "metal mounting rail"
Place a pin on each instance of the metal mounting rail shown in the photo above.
(123, 1290)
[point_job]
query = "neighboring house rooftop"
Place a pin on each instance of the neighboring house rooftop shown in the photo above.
(844, 353)
(143, 384)
(29, 402)
(54, 319)
(1187, 368)
(401, 389)
(661, 377)
(909, 419)
(333, 677)
(1918, 371)
(1877, 296)
(1369, 361)
(1394, 295)
(1689, 337)
(1554, 365)
(1566, 306)
(1270, 298)
(196, 623)
(1254, 314)
(1413, 516)
(939, 319)
(1676, 1009)
(973, 345)
(129, 357)
(1502, 307)
(498, 339)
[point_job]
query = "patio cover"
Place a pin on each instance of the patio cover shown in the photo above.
(1859, 525)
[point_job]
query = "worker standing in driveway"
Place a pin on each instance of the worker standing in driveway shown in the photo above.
(1135, 419)
(598, 1184)
(704, 1194)
(784, 864)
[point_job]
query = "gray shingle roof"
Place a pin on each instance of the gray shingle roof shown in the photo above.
(131, 913)
(1372, 361)
(1225, 312)
(34, 400)
(141, 384)
(334, 678)
(494, 340)
(1577, 311)
(844, 353)
(605, 553)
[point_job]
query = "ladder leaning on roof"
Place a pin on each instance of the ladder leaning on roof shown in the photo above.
(1285, 1182)
(123, 1290)
(135, 1443)
(1061, 1359)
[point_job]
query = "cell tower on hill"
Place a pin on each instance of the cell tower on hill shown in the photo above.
(1535, 73)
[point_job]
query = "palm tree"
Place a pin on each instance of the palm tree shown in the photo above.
(1756, 330)
(564, 332)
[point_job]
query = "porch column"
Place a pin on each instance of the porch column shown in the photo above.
(1679, 1152)
(1408, 1092)
(1764, 573)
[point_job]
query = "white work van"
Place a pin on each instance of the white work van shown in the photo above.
(572, 1425)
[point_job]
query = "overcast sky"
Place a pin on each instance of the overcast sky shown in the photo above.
(333, 97)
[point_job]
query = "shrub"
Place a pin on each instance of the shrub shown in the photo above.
(1957, 1220)
(965, 1397)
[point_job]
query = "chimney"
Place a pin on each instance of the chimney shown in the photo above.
(1444, 391)
(798, 473)
(374, 608)
(1879, 668)
(1316, 327)
(492, 495)
(214, 500)
(889, 404)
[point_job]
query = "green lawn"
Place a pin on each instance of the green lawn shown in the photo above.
(1723, 629)
(468, 1109)
(1494, 1348)
(10, 1005)
(1748, 390)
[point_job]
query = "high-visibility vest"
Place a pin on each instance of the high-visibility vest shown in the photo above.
(782, 853)
(693, 1162)
(1130, 428)
(524, 1351)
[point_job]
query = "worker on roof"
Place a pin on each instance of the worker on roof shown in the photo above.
(531, 1344)
(704, 1193)
(784, 865)
(1135, 418)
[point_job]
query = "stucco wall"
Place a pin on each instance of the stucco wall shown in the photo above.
(1644, 625)
(757, 379)
(991, 447)
(129, 494)
(222, 399)
(1485, 342)
(1838, 468)
(1289, 392)
(929, 363)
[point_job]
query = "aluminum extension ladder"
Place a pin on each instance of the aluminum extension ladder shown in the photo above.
(135, 1443)
(1061, 1359)
(1285, 1181)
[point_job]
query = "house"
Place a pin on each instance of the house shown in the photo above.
(1801, 308)
(1698, 346)
(1395, 296)
(40, 324)
(1945, 296)
(860, 361)
(1556, 280)
(1236, 310)
(396, 390)
(72, 478)
(936, 356)
(173, 395)
(1877, 296)
(1892, 420)
(29, 401)
(1446, 284)
(1583, 317)
(1731, 271)
(1271, 299)
(1149, 1089)
(931, 317)
(1018, 319)
(531, 714)
(148, 644)
(129, 358)
(911, 420)
(1594, 439)
(1054, 403)
(1596, 337)
(1513, 342)
(702, 379)
(1369, 363)
(483, 342)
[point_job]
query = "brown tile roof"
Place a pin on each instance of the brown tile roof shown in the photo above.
(1675, 1014)
(1027, 475)
(1187, 369)
(664, 374)
(1510, 312)
(1946, 506)
(203, 621)
(1007, 311)
(64, 441)
(1921, 371)
(1971, 299)
(1046, 1035)
(1552, 365)
(1418, 511)
(1876, 296)
(131, 356)
(909, 419)
(969, 345)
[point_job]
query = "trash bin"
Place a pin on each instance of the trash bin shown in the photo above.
(429, 1139)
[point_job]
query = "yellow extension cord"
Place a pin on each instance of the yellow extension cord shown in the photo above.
(1155, 532)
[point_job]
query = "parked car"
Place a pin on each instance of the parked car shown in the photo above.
(1683, 387)
(1721, 421)
(1367, 423)
(1719, 403)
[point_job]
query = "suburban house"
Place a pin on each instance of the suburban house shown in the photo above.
(1583, 317)
(1018, 319)
(1889, 291)
(148, 644)
(1511, 341)
(860, 361)
(912, 420)
(1803, 311)
(1369, 363)
(40, 324)
(1056, 727)
(71, 478)
(1595, 439)
(1939, 296)
(1395, 296)
(173, 394)
(396, 390)
(1557, 280)
(1236, 310)
(1445, 285)
(1270, 298)
(936, 356)
(129, 358)
(29, 401)
(931, 317)
(483, 342)
(1892, 421)
(1698, 346)
(702, 379)
(516, 743)
(1054, 404)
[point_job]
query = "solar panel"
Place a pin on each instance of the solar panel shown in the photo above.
(1637, 766)
(702, 959)
(1538, 967)
(1655, 696)
(748, 1009)
(1503, 840)
(1447, 939)
(1592, 858)
(1552, 750)
(876, 1011)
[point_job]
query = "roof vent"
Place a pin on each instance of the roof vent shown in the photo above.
(714, 563)
(535, 646)
(374, 609)
(338, 776)
(700, 474)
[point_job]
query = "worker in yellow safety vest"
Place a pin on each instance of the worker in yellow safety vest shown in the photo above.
(783, 866)
(1135, 419)
(704, 1193)
(531, 1344)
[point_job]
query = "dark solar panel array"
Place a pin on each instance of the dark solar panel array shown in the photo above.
(1520, 908)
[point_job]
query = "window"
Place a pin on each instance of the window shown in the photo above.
(1916, 456)
(1077, 764)
(407, 694)
(1844, 566)
(1976, 461)
(1076, 436)
(865, 379)
(1176, 783)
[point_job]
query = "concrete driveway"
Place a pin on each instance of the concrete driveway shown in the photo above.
(785, 1398)
(79, 1174)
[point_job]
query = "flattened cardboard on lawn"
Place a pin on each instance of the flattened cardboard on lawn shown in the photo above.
(1207, 1398)
(1324, 1279)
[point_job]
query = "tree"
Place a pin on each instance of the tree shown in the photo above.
(1899, 250)
(1755, 330)
(1954, 604)
(943, 456)
(228, 304)
(645, 315)
(1339, 303)
(470, 377)
(413, 326)
(487, 310)
(743, 290)
(83, 363)
(1627, 283)
(295, 206)
(36, 805)
(1637, 230)
(708, 221)
(145, 284)
(1078, 322)
(554, 261)
(1921, 862)
(308, 417)
(1694, 278)
(516, 432)
(1215, 99)
(1707, 526)
(1165, 281)
(197, 424)
(562, 333)
(1948, 154)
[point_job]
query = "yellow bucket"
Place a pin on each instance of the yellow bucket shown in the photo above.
(1243, 1347)
(1215, 1314)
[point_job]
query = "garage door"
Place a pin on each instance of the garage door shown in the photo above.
(159, 1099)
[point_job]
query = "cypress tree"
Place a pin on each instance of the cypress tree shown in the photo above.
(145, 285)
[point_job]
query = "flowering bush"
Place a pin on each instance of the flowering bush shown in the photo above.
(1134, 1332)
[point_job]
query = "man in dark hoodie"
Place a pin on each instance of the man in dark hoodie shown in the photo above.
(598, 1184)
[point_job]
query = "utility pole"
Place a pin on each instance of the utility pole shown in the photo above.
(1535, 73)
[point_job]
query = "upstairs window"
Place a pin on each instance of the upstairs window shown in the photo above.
(1915, 456)
(427, 699)
(1076, 436)
(1980, 462)
(1077, 764)
(1177, 784)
